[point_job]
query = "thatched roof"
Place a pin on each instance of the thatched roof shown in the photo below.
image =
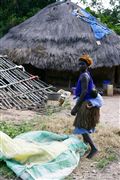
(54, 39)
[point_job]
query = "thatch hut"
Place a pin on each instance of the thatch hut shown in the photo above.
(52, 40)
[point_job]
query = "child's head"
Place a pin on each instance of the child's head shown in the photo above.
(87, 59)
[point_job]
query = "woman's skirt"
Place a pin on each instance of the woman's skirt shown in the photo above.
(87, 118)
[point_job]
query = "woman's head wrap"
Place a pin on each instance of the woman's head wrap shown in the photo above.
(86, 58)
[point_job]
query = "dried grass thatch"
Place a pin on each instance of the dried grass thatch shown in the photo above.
(54, 39)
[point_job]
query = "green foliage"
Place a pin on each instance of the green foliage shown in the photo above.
(117, 29)
(91, 12)
(6, 172)
(110, 17)
(106, 160)
(13, 130)
(13, 12)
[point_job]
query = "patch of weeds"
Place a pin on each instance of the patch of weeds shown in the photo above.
(67, 104)
(52, 109)
(102, 163)
(69, 178)
(13, 130)
(110, 157)
(43, 127)
(6, 172)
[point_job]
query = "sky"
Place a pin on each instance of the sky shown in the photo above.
(104, 2)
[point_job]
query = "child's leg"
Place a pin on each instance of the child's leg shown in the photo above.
(84, 139)
(94, 150)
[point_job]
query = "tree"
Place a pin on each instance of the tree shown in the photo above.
(13, 12)
(108, 16)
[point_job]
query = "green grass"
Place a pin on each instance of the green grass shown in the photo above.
(6, 172)
(12, 130)
(110, 157)
(51, 109)
(69, 178)
(107, 155)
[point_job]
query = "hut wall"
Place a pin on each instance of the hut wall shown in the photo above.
(67, 80)
(60, 79)
(117, 76)
(101, 74)
(35, 71)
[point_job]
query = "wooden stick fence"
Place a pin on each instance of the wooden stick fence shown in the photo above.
(19, 89)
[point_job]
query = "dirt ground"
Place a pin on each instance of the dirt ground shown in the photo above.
(110, 113)
(110, 117)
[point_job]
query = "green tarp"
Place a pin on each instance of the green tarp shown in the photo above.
(41, 155)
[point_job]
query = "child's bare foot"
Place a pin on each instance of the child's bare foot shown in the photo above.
(92, 153)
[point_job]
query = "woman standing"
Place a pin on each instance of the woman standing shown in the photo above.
(87, 106)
